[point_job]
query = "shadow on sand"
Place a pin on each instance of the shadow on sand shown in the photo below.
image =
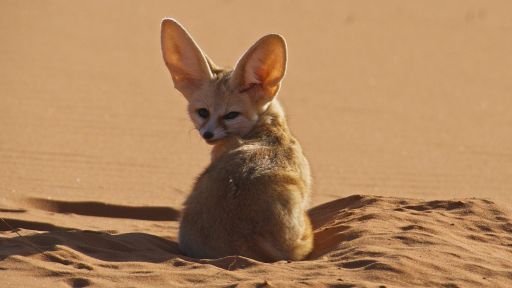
(142, 246)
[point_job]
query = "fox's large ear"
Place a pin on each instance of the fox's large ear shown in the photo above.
(261, 69)
(187, 64)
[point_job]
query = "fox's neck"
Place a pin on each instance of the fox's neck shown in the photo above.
(270, 127)
(271, 123)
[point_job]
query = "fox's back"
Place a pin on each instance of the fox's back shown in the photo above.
(239, 197)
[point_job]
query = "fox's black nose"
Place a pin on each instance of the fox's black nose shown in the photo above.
(207, 135)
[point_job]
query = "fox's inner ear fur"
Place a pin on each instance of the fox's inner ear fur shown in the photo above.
(184, 59)
(261, 69)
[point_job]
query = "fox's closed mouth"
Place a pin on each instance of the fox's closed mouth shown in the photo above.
(212, 141)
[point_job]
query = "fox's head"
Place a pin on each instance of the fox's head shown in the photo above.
(221, 102)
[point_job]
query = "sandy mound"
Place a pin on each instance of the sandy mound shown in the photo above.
(360, 241)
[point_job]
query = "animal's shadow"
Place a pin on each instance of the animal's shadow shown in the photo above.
(104, 246)
(138, 247)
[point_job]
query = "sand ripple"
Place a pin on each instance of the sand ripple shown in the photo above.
(359, 241)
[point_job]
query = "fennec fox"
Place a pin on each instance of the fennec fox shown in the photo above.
(251, 199)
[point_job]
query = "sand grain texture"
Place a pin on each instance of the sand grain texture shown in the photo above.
(361, 241)
(407, 100)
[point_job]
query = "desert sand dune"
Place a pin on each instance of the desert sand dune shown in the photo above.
(407, 100)
(360, 241)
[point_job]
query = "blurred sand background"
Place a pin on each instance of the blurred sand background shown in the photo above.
(393, 98)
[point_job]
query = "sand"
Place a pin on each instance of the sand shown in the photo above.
(403, 109)
(360, 241)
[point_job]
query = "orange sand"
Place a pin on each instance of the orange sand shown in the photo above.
(405, 100)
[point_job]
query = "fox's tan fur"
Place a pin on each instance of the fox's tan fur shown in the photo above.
(251, 199)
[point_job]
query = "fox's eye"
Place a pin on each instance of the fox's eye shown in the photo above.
(203, 113)
(231, 115)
